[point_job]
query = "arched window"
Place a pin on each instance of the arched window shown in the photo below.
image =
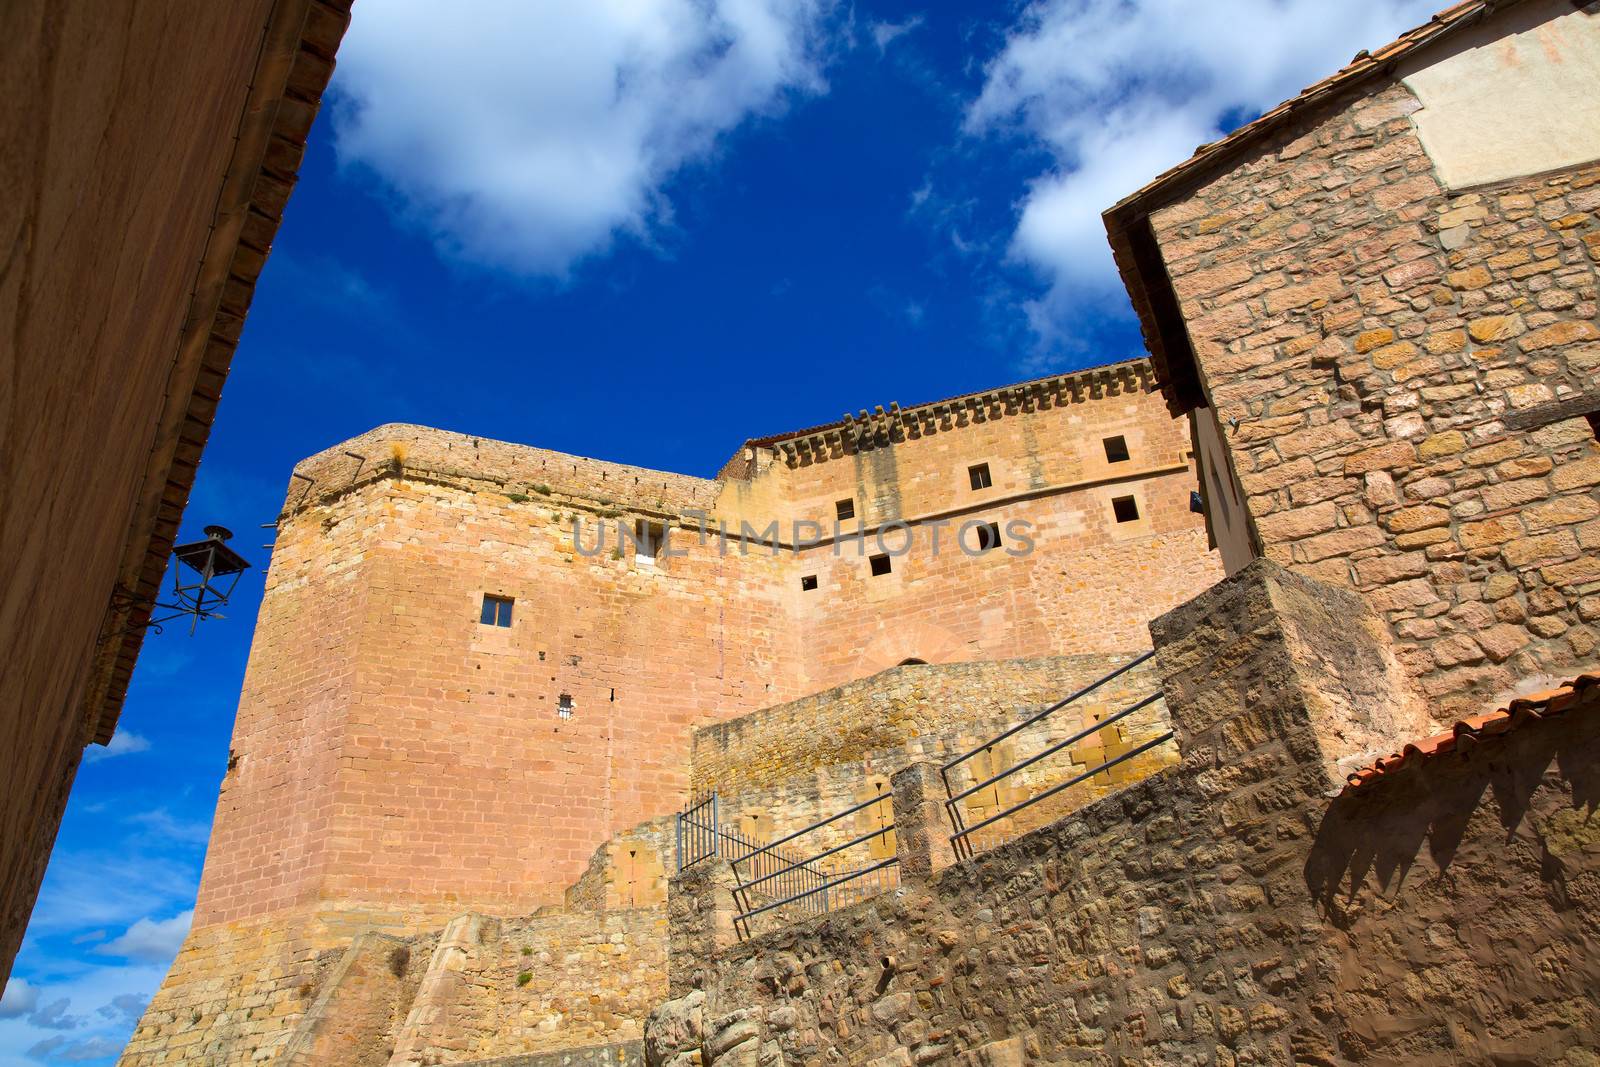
(912, 660)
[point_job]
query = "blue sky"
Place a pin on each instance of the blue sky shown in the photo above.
(644, 233)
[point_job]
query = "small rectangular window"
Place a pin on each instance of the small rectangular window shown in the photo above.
(496, 611)
(649, 537)
(988, 536)
(979, 476)
(1125, 508)
(846, 509)
(1116, 449)
(564, 706)
(880, 565)
(808, 582)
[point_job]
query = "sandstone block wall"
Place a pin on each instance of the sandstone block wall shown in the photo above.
(1226, 910)
(785, 767)
(1405, 363)
(393, 751)
(396, 757)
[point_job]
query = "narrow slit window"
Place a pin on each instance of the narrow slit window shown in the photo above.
(808, 582)
(1116, 449)
(845, 509)
(880, 565)
(564, 706)
(496, 610)
(979, 476)
(1125, 508)
(988, 536)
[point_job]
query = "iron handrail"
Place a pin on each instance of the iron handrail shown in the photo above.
(1053, 790)
(1057, 747)
(832, 818)
(879, 832)
(851, 876)
(1057, 706)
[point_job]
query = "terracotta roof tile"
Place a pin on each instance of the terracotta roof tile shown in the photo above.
(1583, 691)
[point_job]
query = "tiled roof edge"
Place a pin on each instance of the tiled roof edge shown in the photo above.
(1582, 691)
(1125, 222)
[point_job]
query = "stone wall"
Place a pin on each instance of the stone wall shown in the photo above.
(394, 756)
(140, 144)
(392, 751)
(1397, 367)
(1230, 909)
(785, 767)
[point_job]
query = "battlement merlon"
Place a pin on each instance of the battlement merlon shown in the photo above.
(877, 428)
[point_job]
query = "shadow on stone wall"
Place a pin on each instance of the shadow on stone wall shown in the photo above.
(1382, 831)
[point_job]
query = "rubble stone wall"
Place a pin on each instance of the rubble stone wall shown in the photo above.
(1231, 909)
(785, 767)
(1389, 360)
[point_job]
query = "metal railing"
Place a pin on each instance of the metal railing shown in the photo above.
(962, 837)
(775, 874)
(697, 830)
(775, 879)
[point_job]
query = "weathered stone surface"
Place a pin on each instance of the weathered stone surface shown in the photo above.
(1226, 909)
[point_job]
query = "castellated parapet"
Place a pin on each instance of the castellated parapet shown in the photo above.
(398, 761)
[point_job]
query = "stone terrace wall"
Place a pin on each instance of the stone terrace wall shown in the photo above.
(1223, 911)
(543, 984)
(1384, 344)
(787, 766)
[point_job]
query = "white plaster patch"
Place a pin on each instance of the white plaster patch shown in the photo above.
(1517, 95)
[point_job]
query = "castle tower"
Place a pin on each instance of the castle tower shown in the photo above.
(458, 692)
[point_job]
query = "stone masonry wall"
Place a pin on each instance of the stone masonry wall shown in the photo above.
(1223, 911)
(1380, 351)
(790, 765)
(395, 757)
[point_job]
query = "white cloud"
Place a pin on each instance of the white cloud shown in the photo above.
(166, 828)
(85, 889)
(527, 135)
(886, 33)
(1119, 90)
(19, 999)
(151, 940)
(123, 743)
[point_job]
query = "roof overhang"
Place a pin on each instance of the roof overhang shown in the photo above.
(1133, 241)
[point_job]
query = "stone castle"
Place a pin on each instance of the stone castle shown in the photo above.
(464, 683)
(1310, 770)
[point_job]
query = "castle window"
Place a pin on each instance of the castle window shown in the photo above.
(648, 538)
(988, 536)
(1116, 449)
(808, 582)
(1125, 508)
(979, 476)
(846, 508)
(496, 611)
(564, 706)
(880, 565)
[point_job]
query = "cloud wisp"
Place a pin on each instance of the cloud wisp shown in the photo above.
(123, 743)
(151, 940)
(1117, 91)
(528, 135)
